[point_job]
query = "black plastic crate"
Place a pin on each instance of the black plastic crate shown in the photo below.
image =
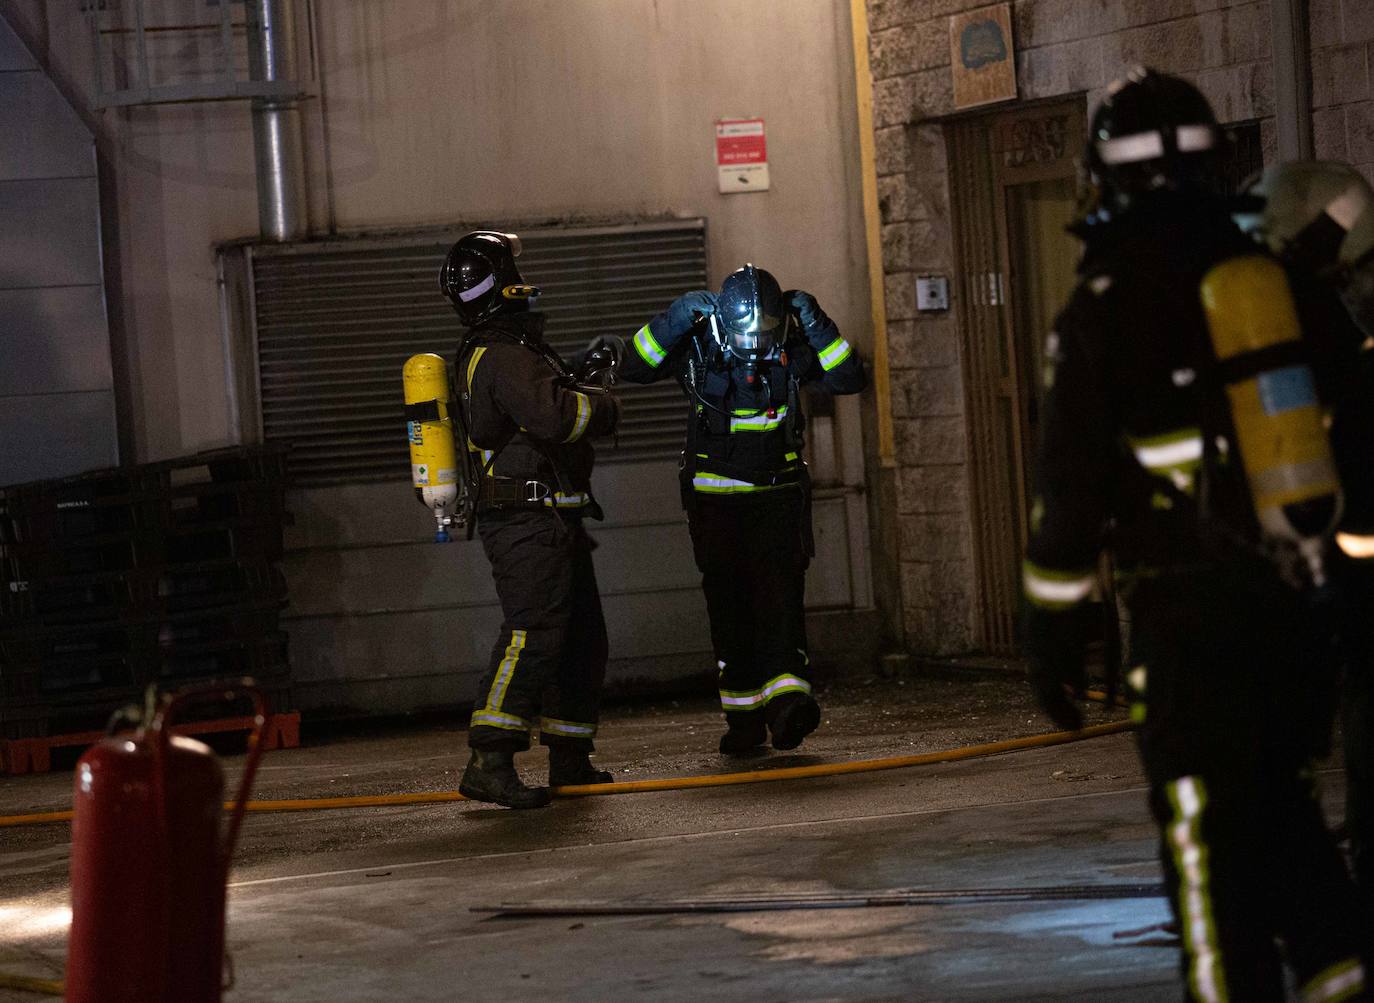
(264, 464)
(264, 659)
(59, 681)
(74, 524)
(42, 643)
(213, 503)
(25, 562)
(246, 621)
(227, 540)
(98, 487)
(217, 583)
(111, 596)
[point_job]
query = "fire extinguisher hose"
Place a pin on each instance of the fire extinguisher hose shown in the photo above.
(668, 783)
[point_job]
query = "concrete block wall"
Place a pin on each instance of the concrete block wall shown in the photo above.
(1342, 38)
(1062, 47)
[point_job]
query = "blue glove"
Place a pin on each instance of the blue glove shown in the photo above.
(689, 308)
(810, 312)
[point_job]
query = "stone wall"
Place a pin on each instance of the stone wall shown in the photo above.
(1063, 47)
(1343, 114)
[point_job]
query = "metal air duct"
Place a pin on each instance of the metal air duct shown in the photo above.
(277, 145)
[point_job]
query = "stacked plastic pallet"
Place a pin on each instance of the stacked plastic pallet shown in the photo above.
(113, 580)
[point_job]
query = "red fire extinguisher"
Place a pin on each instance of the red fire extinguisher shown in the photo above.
(149, 863)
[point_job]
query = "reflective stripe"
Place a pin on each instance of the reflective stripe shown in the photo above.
(648, 348)
(749, 699)
(1193, 138)
(553, 726)
(835, 353)
(1131, 149)
(468, 295)
(1355, 545)
(1188, 795)
(1056, 589)
(790, 457)
(1175, 456)
(495, 719)
(560, 500)
(477, 354)
(507, 669)
(584, 415)
(1168, 451)
(759, 422)
(1341, 981)
(713, 485)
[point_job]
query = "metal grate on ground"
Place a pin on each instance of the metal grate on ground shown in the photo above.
(335, 322)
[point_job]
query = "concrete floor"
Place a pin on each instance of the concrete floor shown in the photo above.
(374, 904)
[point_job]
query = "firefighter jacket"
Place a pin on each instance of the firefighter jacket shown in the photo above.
(525, 419)
(744, 436)
(1134, 432)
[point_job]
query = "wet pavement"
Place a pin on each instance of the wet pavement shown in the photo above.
(376, 904)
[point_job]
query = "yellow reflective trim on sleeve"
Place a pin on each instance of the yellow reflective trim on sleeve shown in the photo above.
(584, 414)
(648, 348)
(835, 353)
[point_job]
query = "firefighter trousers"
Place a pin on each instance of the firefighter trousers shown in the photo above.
(549, 659)
(1234, 694)
(1356, 579)
(752, 555)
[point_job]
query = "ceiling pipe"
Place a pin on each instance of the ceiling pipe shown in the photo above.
(278, 149)
(1292, 78)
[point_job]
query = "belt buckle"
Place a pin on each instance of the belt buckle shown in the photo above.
(536, 491)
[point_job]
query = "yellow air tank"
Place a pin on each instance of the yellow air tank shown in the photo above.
(433, 459)
(1278, 419)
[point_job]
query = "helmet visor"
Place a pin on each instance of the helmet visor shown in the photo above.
(750, 337)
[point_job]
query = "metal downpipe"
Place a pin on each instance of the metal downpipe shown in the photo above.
(1292, 78)
(278, 148)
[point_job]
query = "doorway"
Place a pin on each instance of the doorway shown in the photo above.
(1013, 189)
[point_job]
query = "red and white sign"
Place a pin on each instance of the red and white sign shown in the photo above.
(741, 155)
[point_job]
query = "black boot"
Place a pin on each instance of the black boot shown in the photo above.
(571, 767)
(791, 717)
(490, 776)
(745, 733)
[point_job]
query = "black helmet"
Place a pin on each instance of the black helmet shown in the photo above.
(750, 317)
(480, 279)
(1153, 132)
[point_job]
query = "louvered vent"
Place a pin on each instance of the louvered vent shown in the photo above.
(335, 322)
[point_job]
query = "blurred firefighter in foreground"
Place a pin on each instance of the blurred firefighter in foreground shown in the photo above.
(1318, 217)
(742, 356)
(1182, 406)
(528, 424)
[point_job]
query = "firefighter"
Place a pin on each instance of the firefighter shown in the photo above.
(742, 356)
(1319, 218)
(1150, 425)
(529, 427)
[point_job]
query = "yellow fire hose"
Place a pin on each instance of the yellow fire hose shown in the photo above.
(48, 987)
(54, 988)
(666, 784)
